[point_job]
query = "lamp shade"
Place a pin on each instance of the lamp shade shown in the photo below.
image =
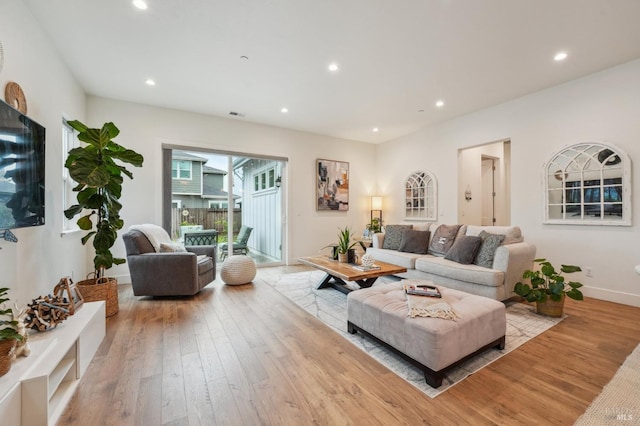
(376, 203)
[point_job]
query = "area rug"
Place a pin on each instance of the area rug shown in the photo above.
(619, 402)
(330, 306)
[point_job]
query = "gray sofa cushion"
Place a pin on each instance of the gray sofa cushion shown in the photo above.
(464, 249)
(457, 271)
(393, 236)
(395, 257)
(443, 239)
(415, 241)
(490, 243)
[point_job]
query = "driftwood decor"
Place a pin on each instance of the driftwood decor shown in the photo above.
(46, 312)
(69, 293)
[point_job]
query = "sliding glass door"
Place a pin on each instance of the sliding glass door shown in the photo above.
(206, 191)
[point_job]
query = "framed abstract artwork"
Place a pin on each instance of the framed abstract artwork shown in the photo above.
(332, 185)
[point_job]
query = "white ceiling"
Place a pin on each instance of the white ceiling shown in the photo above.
(396, 57)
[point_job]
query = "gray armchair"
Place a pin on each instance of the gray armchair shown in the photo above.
(167, 274)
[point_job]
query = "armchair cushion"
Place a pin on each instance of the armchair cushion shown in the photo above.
(171, 248)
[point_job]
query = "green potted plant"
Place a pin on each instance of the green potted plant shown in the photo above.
(9, 334)
(548, 288)
(375, 226)
(345, 244)
(96, 170)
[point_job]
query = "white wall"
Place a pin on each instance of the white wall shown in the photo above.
(145, 128)
(601, 107)
(33, 266)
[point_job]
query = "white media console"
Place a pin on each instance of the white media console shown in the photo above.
(37, 388)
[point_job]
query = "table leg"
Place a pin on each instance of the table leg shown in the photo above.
(368, 282)
(335, 282)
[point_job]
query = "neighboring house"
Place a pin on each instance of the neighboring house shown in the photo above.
(194, 185)
(262, 203)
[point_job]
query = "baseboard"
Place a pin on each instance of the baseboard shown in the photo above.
(122, 279)
(612, 296)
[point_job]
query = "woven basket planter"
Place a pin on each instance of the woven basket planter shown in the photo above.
(551, 308)
(6, 350)
(105, 288)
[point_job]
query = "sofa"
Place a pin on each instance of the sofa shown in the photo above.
(483, 260)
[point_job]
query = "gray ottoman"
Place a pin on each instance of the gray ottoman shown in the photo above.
(434, 345)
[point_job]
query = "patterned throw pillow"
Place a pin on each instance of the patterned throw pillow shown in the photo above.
(443, 239)
(393, 236)
(464, 249)
(415, 241)
(490, 243)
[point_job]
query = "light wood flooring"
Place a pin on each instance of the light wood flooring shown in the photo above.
(246, 355)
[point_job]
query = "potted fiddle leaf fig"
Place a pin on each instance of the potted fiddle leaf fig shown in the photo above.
(548, 287)
(96, 168)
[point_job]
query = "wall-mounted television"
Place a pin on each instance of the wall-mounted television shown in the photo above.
(22, 165)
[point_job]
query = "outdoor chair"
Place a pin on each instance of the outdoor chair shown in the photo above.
(239, 245)
(207, 237)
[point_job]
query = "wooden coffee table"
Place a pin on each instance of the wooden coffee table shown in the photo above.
(337, 274)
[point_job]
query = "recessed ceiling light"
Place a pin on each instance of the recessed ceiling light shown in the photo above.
(440, 104)
(150, 82)
(284, 110)
(375, 129)
(420, 110)
(140, 4)
(333, 67)
(244, 57)
(560, 56)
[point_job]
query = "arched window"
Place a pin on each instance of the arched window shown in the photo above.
(588, 184)
(421, 195)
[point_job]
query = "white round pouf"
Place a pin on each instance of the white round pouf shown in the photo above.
(238, 269)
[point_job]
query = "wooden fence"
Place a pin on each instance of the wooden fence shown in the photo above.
(208, 218)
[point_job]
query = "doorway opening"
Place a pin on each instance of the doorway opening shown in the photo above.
(223, 195)
(484, 188)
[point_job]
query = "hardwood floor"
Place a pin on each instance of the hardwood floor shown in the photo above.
(246, 355)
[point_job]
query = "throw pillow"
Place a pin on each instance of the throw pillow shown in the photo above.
(464, 249)
(393, 236)
(443, 239)
(490, 243)
(172, 248)
(415, 241)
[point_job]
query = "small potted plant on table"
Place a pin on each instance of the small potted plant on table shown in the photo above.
(345, 250)
(548, 288)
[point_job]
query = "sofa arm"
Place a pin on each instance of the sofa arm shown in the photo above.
(207, 250)
(513, 260)
(377, 239)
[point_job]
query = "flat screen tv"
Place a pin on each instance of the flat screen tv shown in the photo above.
(22, 160)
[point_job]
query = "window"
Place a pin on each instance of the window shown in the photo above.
(588, 184)
(264, 180)
(420, 196)
(69, 141)
(176, 204)
(181, 169)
